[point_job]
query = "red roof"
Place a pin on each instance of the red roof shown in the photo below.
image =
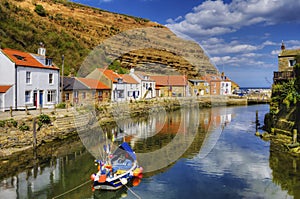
(94, 84)
(4, 88)
(128, 79)
(25, 59)
(170, 80)
(210, 78)
(110, 74)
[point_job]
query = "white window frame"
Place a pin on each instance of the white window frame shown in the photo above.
(51, 96)
(50, 78)
(28, 77)
(27, 97)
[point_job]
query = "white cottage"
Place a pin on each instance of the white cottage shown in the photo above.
(146, 84)
(33, 80)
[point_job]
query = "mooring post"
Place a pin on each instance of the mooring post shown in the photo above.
(34, 133)
(256, 121)
(26, 110)
(295, 136)
(11, 111)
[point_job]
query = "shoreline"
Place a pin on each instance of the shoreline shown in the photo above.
(64, 124)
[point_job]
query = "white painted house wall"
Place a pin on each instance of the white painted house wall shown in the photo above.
(7, 99)
(7, 70)
(132, 88)
(7, 77)
(144, 84)
(225, 88)
(117, 89)
(39, 87)
(16, 76)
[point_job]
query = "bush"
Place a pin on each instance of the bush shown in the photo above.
(2, 123)
(39, 9)
(12, 122)
(44, 119)
(24, 127)
(61, 105)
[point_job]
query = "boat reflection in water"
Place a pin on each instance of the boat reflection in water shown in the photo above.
(159, 141)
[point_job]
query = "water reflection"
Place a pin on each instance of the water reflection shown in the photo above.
(285, 169)
(213, 154)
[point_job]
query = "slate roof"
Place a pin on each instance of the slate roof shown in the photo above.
(71, 83)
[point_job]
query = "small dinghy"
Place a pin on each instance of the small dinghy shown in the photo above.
(117, 170)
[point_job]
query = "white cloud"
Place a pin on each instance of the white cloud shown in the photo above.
(275, 52)
(216, 17)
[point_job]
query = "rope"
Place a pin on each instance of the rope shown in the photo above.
(72, 189)
(133, 192)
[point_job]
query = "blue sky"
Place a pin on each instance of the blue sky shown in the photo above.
(242, 37)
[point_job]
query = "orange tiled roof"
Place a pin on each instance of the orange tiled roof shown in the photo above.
(4, 88)
(110, 74)
(170, 80)
(210, 78)
(93, 83)
(128, 79)
(25, 59)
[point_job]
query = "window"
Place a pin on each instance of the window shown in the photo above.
(27, 96)
(120, 93)
(28, 77)
(93, 94)
(51, 95)
(75, 94)
(67, 96)
(292, 62)
(50, 78)
(83, 95)
(48, 62)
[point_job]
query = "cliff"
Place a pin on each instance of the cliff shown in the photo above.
(73, 30)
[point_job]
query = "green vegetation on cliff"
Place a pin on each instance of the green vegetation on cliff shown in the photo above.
(285, 105)
(64, 27)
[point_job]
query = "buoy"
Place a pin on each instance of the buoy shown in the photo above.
(93, 177)
(136, 181)
(140, 176)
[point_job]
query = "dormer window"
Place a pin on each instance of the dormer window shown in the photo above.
(48, 62)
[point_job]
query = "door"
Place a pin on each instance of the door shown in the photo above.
(41, 98)
(35, 99)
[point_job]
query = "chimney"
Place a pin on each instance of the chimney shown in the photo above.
(42, 49)
(132, 71)
(282, 46)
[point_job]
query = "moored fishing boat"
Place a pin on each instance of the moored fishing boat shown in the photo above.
(117, 169)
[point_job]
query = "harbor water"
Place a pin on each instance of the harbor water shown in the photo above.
(189, 153)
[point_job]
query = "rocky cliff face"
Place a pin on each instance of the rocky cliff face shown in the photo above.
(74, 30)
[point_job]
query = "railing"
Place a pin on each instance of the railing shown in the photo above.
(283, 76)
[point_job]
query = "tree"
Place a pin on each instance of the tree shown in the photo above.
(39, 9)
